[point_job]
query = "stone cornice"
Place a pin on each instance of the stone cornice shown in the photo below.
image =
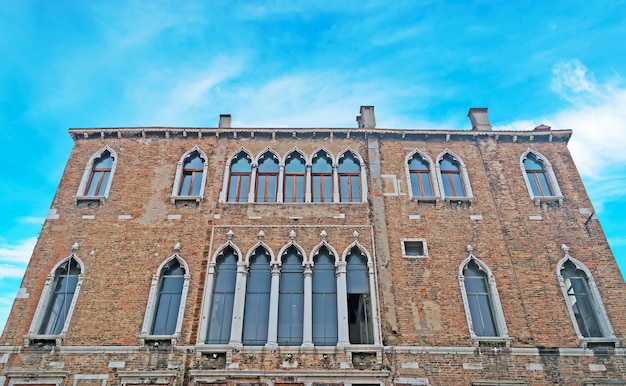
(339, 133)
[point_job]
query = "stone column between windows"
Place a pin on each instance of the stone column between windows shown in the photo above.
(280, 183)
(252, 191)
(307, 323)
(308, 186)
(343, 337)
(272, 325)
(206, 306)
(225, 183)
(374, 303)
(236, 330)
(363, 183)
(335, 184)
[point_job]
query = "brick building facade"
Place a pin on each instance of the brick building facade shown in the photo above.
(195, 256)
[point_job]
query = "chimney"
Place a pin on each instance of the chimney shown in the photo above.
(224, 121)
(479, 118)
(366, 120)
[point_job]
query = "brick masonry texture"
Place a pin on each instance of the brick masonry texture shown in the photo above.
(423, 326)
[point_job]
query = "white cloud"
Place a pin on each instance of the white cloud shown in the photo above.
(31, 220)
(16, 253)
(596, 115)
(11, 272)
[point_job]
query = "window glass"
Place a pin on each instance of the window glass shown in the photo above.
(239, 181)
(267, 178)
(291, 300)
(359, 308)
(419, 174)
(100, 173)
(321, 175)
(168, 304)
(220, 317)
(537, 176)
(581, 303)
(192, 175)
(256, 310)
(451, 177)
(479, 299)
(295, 173)
(413, 248)
(324, 299)
(349, 178)
(64, 287)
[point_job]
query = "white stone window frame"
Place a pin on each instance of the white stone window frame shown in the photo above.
(223, 197)
(342, 297)
(550, 177)
(279, 183)
(403, 246)
(469, 196)
(596, 301)
(498, 313)
(36, 377)
(44, 303)
(434, 180)
(80, 195)
(178, 177)
(362, 171)
(153, 298)
(208, 294)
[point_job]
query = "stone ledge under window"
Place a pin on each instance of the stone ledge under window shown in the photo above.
(459, 200)
(538, 200)
(41, 341)
(158, 340)
(186, 201)
(147, 377)
(492, 341)
(609, 342)
(418, 199)
(89, 201)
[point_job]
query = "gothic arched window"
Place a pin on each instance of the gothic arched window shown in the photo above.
(257, 305)
(295, 178)
(291, 299)
(221, 313)
(325, 329)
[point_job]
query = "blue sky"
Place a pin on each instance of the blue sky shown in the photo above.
(422, 64)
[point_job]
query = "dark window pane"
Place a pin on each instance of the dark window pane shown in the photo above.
(93, 185)
(414, 248)
(544, 184)
(344, 187)
(533, 184)
(458, 185)
(64, 287)
(220, 317)
(256, 310)
(243, 189)
(531, 163)
(417, 163)
(479, 299)
(447, 186)
(322, 163)
(324, 300)
(104, 162)
(295, 164)
(582, 306)
(184, 187)
(448, 164)
(194, 161)
(348, 164)
(291, 300)
(268, 164)
(241, 164)
(428, 191)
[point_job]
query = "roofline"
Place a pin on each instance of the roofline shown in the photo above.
(167, 132)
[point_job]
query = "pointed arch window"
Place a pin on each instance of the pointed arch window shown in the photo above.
(451, 177)
(322, 177)
(57, 302)
(349, 173)
(479, 300)
(291, 299)
(359, 300)
(257, 305)
(295, 178)
(239, 178)
(324, 288)
(454, 182)
(169, 301)
(190, 177)
(267, 178)
(482, 302)
(420, 176)
(221, 313)
(539, 177)
(584, 303)
(166, 301)
(65, 283)
(96, 182)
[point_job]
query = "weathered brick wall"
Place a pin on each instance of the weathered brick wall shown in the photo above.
(121, 255)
